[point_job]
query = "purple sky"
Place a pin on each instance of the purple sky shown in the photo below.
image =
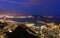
(30, 7)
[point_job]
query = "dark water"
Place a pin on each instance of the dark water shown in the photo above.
(26, 20)
(55, 20)
(23, 19)
(34, 20)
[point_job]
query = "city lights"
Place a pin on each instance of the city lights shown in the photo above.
(45, 30)
(30, 24)
(14, 16)
(10, 31)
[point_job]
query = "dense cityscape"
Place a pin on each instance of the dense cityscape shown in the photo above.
(35, 26)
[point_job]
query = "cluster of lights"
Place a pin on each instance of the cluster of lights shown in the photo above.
(49, 27)
(13, 16)
(30, 24)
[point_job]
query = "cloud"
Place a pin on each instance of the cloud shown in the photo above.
(11, 11)
(24, 3)
(4, 10)
(44, 7)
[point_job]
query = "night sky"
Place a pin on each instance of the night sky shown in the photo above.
(30, 7)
